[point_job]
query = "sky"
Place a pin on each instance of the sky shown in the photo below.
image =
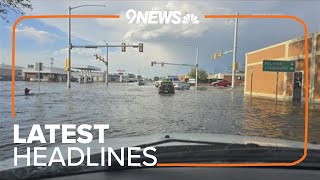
(39, 40)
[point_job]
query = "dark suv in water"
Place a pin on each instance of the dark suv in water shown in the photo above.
(166, 87)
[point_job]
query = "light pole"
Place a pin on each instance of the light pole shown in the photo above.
(51, 63)
(69, 51)
(51, 73)
(69, 41)
(197, 55)
(107, 62)
(234, 50)
(196, 65)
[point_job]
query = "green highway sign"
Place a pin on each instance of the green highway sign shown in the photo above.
(278, 66)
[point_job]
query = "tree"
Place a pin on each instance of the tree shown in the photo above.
(156, 78)
(202, 74)
(16, 6)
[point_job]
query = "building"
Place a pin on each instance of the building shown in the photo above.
(213, 77)
(6, 73)
(51, 74)
(173, 78)
(239, 78)
(184, 77)
(290, 84)
(114, 77)
(88, 74)
(97, 76)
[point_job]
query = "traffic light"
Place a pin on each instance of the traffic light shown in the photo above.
(235, 66)
(216, 55)
(123, 48)
(219, 54)
(98, 57)
(66, 65)
(212, 57)
(140, 47)
(162, 64)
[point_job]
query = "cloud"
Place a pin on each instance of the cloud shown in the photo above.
(79, 52)
(37, 35)
(150, 32)
(166, 42)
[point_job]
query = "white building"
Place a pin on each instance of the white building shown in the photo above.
(52, 74)
(6, 72)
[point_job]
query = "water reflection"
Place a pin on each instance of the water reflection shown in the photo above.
(281, 120)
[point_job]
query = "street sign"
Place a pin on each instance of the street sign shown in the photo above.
(278, 66)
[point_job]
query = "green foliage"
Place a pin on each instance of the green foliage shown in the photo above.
(15, 6)
(202, 74)
(156, 78)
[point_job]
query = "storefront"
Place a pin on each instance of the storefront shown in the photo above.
(291, 85)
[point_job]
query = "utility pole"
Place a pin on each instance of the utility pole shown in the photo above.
(51, 73)
(234, 51)
(69, 41)
(69, 51)
(51, 63)
(197, 55)
(107, 62)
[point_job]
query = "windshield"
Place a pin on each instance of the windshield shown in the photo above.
(189, 76)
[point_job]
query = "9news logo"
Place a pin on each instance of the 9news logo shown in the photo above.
(160, 17)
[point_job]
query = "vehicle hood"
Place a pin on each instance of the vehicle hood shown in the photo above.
(117, 143)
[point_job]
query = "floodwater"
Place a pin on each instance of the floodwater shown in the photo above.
(133, 110)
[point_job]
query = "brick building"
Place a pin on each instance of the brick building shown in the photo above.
(291, 85)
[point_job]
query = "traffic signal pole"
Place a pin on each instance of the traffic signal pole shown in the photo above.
(69, 51)
(197, 55)
(107, 63)
(234, 51)
(69, 40)
(175, 64)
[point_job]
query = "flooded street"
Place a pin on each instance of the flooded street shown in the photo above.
(133, 110)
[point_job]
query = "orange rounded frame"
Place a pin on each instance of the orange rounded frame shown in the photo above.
(206, 17)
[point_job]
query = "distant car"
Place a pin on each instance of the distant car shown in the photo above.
(192, 82)
(223, 83)
(166, 87)
(181, 85)
(141, 83)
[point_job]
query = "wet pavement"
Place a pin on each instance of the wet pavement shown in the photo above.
(133, 110)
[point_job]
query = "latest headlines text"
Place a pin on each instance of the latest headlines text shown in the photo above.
(71, 154)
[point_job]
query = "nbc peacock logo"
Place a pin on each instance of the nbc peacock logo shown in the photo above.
(190, 19)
